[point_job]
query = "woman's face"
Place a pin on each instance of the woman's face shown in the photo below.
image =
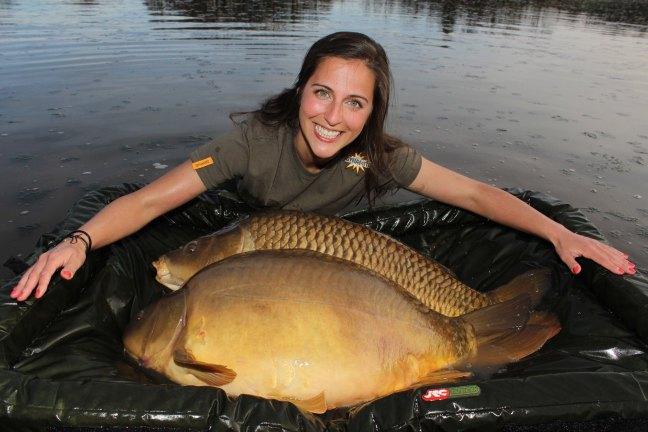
(334, 107)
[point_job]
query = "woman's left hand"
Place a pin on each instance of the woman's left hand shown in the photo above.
(570, 246)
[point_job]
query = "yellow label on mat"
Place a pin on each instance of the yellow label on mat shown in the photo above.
(202, 163)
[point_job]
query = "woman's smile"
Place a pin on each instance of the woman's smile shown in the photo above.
(326, 134)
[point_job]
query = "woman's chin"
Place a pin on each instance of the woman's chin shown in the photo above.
(326, 151)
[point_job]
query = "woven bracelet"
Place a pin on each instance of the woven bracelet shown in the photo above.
(77, 235)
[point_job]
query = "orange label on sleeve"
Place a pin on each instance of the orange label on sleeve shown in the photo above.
(202, 163)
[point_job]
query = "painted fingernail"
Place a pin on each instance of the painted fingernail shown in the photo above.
(575, 269)
(67, 274)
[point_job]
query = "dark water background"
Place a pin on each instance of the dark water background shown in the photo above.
(543, 95)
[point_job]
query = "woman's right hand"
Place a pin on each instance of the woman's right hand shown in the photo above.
(133, 211)
(68, 255)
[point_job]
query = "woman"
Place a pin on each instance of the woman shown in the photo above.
(317, 146)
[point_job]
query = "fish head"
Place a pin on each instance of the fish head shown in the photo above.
(176, 267)
(151, 335)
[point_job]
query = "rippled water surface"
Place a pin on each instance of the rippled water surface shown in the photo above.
(542, 95)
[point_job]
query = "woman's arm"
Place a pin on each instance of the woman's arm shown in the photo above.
(118, 219)
(442, 184)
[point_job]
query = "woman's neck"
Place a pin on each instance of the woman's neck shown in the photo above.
(308, 160)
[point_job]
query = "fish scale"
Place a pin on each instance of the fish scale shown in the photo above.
(424, 279)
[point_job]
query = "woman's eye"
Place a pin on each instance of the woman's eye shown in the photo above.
(355, 103)
(321, 93)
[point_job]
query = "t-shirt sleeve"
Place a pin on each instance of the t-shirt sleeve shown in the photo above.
(222, 158)
(404, 165)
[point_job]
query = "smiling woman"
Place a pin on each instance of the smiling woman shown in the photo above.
(317, 146)
(334, 107)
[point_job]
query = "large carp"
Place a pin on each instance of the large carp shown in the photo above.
(319, 332)
(425, 279)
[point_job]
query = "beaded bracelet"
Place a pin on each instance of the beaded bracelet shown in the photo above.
(77, 235)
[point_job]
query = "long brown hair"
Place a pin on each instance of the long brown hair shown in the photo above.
(283, 108)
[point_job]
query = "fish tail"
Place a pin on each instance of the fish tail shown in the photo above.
(514, 346)
(499, 319)
(533, 283)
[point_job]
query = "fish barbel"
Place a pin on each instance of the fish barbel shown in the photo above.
(318, 331)
(423, 278)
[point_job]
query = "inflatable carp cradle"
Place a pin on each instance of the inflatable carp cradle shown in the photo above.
(62, 365)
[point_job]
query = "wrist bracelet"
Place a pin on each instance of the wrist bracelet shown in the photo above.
(77, 235)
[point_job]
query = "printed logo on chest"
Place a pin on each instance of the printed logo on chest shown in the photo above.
(357, 162)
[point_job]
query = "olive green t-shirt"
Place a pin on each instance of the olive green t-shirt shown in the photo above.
(268, 173)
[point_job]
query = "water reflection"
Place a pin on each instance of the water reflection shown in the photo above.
(269, 11)
(494, 11)
(448, 13)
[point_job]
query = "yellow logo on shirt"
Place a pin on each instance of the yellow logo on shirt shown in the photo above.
(202, 163)
(357, 162)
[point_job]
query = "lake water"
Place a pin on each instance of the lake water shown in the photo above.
(549, 98)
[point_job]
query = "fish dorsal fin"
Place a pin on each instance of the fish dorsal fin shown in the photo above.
(533, 283)
(316, 404)
(212, 374)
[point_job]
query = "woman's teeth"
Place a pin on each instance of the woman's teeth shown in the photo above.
(325, 133)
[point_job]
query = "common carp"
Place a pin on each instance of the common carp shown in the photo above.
(318, 331)
(425, 279)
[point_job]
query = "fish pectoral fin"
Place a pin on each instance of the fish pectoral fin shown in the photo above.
(216, 378)
(316, 404)
(212, 374)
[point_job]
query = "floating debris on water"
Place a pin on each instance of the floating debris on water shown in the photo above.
(158, 165)
(68, 159)
(590, 134)
(24, 212)
(22, 158)
(29, 227)
(33, 194)
(86, 173)
(637, 196)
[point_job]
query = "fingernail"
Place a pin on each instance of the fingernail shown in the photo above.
(575, 269)
(66, 274)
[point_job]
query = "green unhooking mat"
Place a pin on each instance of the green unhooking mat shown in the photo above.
(62, 365)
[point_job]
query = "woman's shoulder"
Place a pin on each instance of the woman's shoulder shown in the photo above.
(254, 129)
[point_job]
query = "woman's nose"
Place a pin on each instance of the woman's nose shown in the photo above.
(333, 114)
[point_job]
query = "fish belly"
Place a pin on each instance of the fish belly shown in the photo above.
(292, 326)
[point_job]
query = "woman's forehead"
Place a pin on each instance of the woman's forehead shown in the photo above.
(349, 76)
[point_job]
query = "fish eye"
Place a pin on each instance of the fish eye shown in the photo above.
(191, 246)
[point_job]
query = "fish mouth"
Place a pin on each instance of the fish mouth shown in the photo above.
(164, 276)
